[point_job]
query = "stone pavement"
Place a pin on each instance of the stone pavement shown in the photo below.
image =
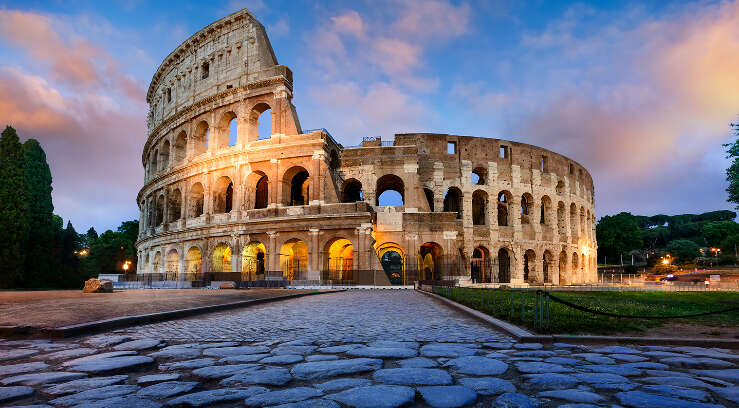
(354, 349)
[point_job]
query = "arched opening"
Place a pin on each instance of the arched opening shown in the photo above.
(429, 198)
(334, 161)
(153, 169)
(429, 261)
(546, 207)
(504, 266)
(479, 207)
(479, 176)
(193, 261)
(175, 205)
(563, 268)
(196, 201)
(391, 258)
(180, 147)
(583, 266)
(339, 259)
(296, 186)
(200, 138)
(352, 191)
(453, 201)
(390, 191)
(159, 210)
(156, 264)
(223, 195)
(529, 266)
(294, 259)
(504, 202)
(582, 221)
(229, 129)
(221, 259)
(573, 220)
(261, 195)
(527, 203)
(480, 268)
(172, 265)
(164, 156)
(575, 268)
(253, 261)
(546, 262)
(560, 189)
(561, 222)
(260, 122)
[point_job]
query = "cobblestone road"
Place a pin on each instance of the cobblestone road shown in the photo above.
(354, 349)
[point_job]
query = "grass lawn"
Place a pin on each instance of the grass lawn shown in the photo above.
(566, 320)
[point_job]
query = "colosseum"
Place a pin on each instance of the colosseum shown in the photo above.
(223, 202)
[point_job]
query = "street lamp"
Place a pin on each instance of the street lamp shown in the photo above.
(126, 265)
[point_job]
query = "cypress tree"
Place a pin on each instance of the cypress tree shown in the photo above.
(39, 261)
(70, 270)
(13, 209)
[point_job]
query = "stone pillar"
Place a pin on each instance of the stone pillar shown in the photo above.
(438, 188)
(535, 218)
(314, 196)
(275, 184)
(517, 265)
(314, 271)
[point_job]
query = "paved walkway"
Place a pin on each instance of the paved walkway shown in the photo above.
(354, 349)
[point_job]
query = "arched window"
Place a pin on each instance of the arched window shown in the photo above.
(429, 261)
(172, 265)
(390, 191)
(221, 259)
(546, 206)
(561, 222)
(429, 198)
(175, 205)
(200, 138)
(504, 266)
(526, 204)
(260, 122)
(504, 201)
(294, 259)
(573, 220)
(546, 262)
(480, 267)
(352, 191)
(339, 260)
(453, 201)
(180, 147)
(253, 259)
(196, 201)
(223, 195)
(560, 187)
(193, 261)
(391, 258)
(164, 156)
(296, 186)
(479, 207)
(261, 196)
(563, 268)
(153, 169)
(479, 176)
(229, 130)
(529, 268)
(160, 210)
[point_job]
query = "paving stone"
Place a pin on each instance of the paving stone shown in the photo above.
(375, 396)
(696, 362)
(235, 351)
(325, 369)
(665, 373)
(572, 395)
(294, 349)
(476, 365)
(661, 354)
(189, 364)
(647, 365)
(599, 359)
(223, 371)
(338, 349)
(212, 397)
(600, 378)
(612, 369)
(563, 361)
(673, 391)
(126, 401)
(282, 359)
(216, 344)
(413, 376)
(614, 386)
(617, 350)
(528, 346)
(42, 378)
(269, 376)
(497, 355)
(679, 381)
(631, 358)
(488, 385)
(15, 354)
(321, 357)
(84, 384)
(14, 393)
(342, 383)
(311, 403)
(513, 400)
(534, 353)
(714, 381)
(535, 367)
(640, 399)
(177, 352)
(138, 345)
(394, 344)
(244, 358)
(282, 397)
(567, 345)
(729, 393)
(67, 354)
(447, 350)
(418, 362)
(106, 392)
(33, 406)
(448, 396)
(155, 378)
(112, 364)
(731, 374)
(383, 352)
(167, 389)
(500, 345)
(550, 381)
(107, 340)
(22, 368)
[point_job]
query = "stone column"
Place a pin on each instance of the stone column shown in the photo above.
(273, 258)
(314, 271)
(314, 195)
(517, 265)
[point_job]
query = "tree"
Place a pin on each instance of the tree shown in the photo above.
(70, 275)
(618, 234)
(111, 249)
(38, 247)
(715, 232)
(732, 173)
(13, 209)
(88, 238)
(684, 250)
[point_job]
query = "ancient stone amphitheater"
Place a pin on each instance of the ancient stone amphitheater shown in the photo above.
(222, 202)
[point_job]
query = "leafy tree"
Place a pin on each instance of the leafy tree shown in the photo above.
(618, 234)
(88, 238)
(13, 209)
(715, 232)
(38, 247)
(732, 173)
(684, 250)
(70, 275)
(111, 249)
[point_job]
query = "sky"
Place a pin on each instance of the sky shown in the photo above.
(640, 93)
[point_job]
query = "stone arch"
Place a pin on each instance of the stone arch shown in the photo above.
(294, 259)
(180, 147)
(390, 182)
(546, 207)
(480, 265)
(429, 198)
(546, 266)
(253, 261)
(257, 190)
(223, 192)
(429, 261)
(228, 130)
(560, 189)
(156, 263)
(527, 204)
(338, 258)
(351, 191)
(479, 176)
(563, 278)
(200, 138)
(453, 201)
(582, 223)
(220, 260)
(159, 215)
(574, 268)
(392, 257)
(561, 218)
(529, 266)
(504, 266)
(255, 115)
(172, 264)
(573, 220)
(194, 261)
(296, 186)
(196, 200)
(153, 160)
(164, 155)
(175, 205)
(504, 208)
(479, 207)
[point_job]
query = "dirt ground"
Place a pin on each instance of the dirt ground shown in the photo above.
(683, 330)
(58, 308)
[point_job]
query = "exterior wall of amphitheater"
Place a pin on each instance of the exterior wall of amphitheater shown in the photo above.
(298, 204)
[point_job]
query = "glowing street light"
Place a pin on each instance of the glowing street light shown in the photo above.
(126, 265)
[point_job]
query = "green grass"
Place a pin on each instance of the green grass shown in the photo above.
(566, 320)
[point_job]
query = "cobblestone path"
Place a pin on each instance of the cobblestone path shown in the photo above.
(354, 349)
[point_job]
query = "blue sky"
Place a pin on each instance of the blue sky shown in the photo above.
(640, 93)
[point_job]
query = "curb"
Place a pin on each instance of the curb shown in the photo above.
(526, 336)
(128, 321)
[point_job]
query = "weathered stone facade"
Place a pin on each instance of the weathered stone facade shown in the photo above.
(300, 205)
